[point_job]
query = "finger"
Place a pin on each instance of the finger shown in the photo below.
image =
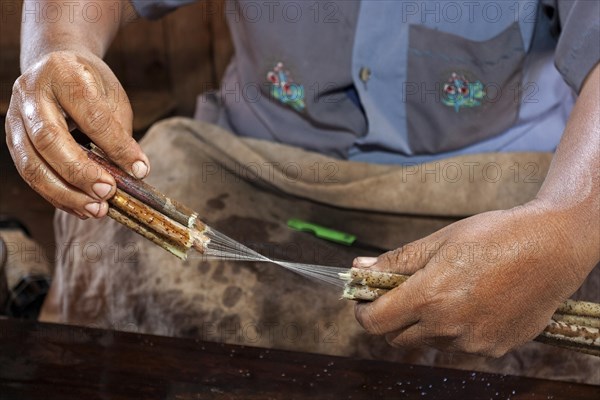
(396, 310)
(411, 336)
(449, 338)
(446, 337)
(49, 135)
(384, 315)
(407, 259)
(108, 123)
(42, 178)
(418, 335)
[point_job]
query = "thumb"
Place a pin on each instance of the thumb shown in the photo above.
(408, 259)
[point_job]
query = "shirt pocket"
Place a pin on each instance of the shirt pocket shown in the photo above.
(459, 91)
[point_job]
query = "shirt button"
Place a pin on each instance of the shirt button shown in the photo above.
(364, 74)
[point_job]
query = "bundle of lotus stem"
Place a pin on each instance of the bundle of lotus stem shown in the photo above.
(145, 210)
(575, 325)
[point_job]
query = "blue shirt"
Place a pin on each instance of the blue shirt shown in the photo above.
(541, 99)
(403, 81)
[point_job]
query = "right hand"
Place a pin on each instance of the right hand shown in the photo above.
(71, 88)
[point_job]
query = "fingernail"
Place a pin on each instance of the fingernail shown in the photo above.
(139, 169)
(366, 261)
(101, 189)
(103, 209)
(92, 208)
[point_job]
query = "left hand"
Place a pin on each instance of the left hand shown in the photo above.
(483, 285)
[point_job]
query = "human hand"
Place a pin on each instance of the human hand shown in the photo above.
(483, 285)
(78, 87)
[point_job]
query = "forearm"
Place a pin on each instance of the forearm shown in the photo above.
(572, 188)
(63, 42)
(80, 25)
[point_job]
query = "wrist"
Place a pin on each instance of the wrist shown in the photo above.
(72, 31)
(573, 230)
(78, 53)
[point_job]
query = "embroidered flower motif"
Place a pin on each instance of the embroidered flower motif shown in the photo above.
(284, 89)
(459, 92)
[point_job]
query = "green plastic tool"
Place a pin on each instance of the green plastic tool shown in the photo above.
(321, 232)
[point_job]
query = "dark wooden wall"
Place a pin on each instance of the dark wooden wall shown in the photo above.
(162, 64)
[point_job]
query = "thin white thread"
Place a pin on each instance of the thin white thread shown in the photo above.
(222, 247)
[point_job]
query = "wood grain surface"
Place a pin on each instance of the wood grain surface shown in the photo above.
(43, 361)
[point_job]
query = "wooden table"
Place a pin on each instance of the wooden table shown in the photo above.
(44, 361)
